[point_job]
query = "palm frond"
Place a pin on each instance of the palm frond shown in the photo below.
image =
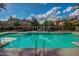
(2, 6)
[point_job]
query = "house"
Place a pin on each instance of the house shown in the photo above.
(24, 24)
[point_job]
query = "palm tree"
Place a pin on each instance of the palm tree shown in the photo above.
(48, 24)
(2, 6)
(35, 22)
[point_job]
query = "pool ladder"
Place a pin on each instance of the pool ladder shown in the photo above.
(40, 52)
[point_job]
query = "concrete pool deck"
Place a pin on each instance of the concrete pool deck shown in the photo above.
(39, 52)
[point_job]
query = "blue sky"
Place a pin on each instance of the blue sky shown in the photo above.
(27, 10)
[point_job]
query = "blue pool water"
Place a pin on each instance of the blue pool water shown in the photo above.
(49, 40)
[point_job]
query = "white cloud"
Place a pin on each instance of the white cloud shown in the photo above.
(29, 18)
(68, 9)
(52, 13)
(75, 13)
(56, 8)
(14, 16)
(58, 12)
(76, 7)
(4, 19)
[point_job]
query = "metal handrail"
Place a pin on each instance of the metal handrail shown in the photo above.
(43, 49)
(36, 48)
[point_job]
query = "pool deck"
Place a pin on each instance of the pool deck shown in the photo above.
(76, 33)
(39, 52)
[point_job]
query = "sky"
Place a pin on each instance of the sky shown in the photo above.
(39, 10)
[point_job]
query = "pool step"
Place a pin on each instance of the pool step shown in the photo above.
(76, 43)
(5, 41)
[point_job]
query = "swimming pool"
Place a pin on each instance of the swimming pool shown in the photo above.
(40, 40)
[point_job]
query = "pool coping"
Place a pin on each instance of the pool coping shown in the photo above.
(76, 33)
(39, 32)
